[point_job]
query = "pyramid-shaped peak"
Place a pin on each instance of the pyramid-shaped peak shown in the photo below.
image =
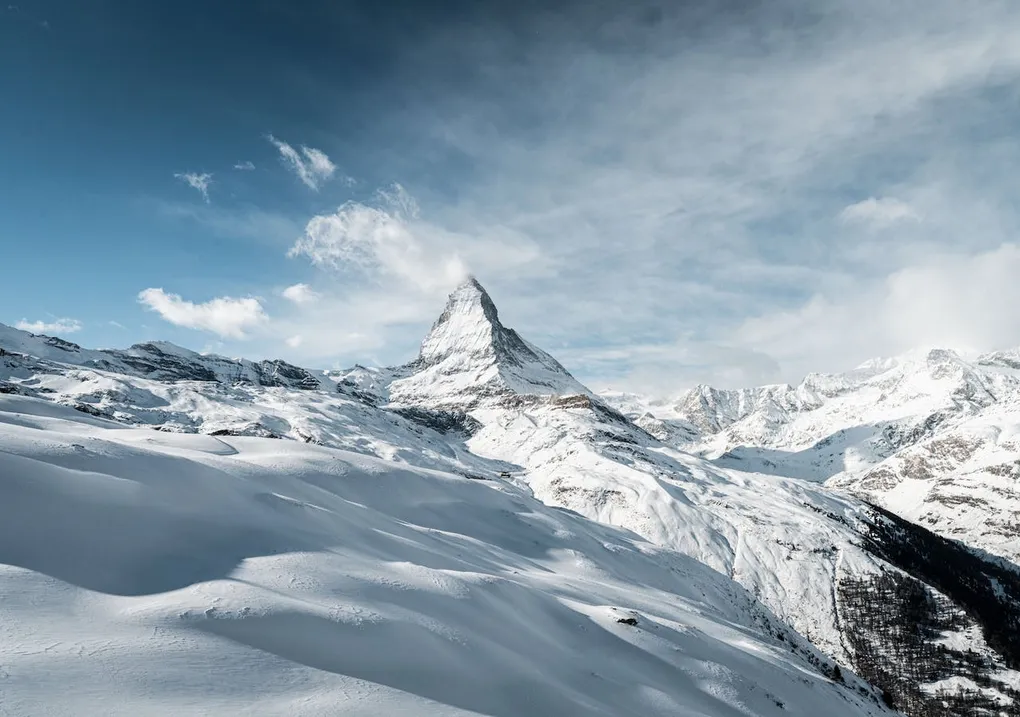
(469, 324)
(470, 284)
(470, 293)
(468, 354)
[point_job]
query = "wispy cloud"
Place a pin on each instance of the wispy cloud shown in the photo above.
(312, 166)
(379, 240)
(300, 294)
(246, 166)
(389, 241)
(879, 213)
(55, 326)
(681, 180)
(198, 182)
(246, 222)
(693, 194)
(353, 325)
(225, 316)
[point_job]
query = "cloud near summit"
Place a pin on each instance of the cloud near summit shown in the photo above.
(389, 241)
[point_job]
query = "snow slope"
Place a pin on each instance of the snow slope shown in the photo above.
(152, 573)
(801, 549)
(792, 542)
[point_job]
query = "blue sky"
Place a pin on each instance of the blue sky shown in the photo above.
(658, 193)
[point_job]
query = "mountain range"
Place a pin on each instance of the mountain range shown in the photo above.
(844, 546)
(932, 436)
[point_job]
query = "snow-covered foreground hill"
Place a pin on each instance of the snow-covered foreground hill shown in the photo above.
(146, 573)
(933, 624)
(932, 436)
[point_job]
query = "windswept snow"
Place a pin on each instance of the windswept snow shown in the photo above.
(146, 573)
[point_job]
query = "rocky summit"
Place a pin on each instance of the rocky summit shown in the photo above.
(469, 358)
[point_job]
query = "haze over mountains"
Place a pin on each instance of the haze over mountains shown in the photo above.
(479, 519)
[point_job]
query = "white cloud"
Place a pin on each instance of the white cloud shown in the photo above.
(391, 243)
(300, 294)
(56, 326)
(246, 166)
(116, 324)
(403, 254)
(313, 168)
(351, 327)
(956, 301)
(224, 316)
(198, 182)
(879, 213)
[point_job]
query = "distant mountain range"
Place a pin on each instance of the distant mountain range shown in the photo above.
(930, 435)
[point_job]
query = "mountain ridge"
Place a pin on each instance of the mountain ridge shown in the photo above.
(927, 435)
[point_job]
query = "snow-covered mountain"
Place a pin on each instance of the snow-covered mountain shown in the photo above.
(469, 358)
(931, 435)
(145, 573)
(872, 591)
(161, 361)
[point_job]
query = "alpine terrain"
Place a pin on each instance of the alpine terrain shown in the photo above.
(476, 532)
(932, 436)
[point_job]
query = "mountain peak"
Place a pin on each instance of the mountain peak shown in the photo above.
(469, 324)
(468, 352)
(471, 291)
(470, 283)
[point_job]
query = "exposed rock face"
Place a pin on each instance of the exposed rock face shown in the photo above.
(163, 361)
(441, 421)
